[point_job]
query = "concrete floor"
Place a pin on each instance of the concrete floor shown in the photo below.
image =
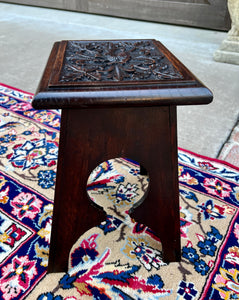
(27, 34)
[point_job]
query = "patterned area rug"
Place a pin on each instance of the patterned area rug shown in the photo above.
(121, 258)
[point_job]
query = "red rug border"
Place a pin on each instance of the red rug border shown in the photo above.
(16, 89)
(210, 158)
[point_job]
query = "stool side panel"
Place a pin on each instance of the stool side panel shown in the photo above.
(146, 135)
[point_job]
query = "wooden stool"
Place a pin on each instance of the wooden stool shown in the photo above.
(118, 99)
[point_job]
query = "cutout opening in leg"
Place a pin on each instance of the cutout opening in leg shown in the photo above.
(118, 185)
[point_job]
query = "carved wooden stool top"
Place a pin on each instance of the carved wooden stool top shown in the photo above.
(109, 73)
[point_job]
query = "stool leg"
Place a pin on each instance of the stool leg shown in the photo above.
(163, 213)
(160, 210)
(73, 213)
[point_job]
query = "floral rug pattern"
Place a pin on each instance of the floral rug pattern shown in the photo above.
(120, 258)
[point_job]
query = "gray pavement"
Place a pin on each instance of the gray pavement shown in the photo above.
(28, 33)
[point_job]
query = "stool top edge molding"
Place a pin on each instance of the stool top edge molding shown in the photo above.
(122, 98)
(123, 73)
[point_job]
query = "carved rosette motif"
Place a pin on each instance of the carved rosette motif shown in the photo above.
(115, 61)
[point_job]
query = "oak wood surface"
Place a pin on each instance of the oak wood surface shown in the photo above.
(92, 136)
(185, 91)
(134, 119)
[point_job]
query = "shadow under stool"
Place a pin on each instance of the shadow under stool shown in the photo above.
(118, 99)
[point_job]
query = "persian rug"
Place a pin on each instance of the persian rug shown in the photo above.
(120, 258)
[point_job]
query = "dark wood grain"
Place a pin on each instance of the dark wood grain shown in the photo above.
(112, 133)
(105, 62)
(134, 119)
(186, 89)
